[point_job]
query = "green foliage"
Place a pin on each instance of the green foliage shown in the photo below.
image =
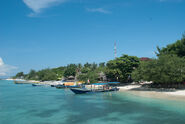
(168, 68)
(90, 72)
(121, 68)
(177, 48)
(94, 66)
(70, 70)
(85, 70)
(165, 69)
(46, 74)
(102, 65)
(79, 67)
(19, 75)
(87, 65)
(31, 75)
(92, 76)
(59, 72)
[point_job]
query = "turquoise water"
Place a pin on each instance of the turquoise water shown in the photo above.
(24, 104)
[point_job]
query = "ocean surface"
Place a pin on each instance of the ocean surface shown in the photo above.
(24, 104)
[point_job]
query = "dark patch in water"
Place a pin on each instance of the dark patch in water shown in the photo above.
(111, 119)
(47, 113)
(31, 112)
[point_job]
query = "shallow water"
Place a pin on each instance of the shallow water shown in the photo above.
(24, 104)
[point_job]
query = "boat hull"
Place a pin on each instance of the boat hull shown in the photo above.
(79, 91)
(83, 91)
(36, 85)
(21, 82)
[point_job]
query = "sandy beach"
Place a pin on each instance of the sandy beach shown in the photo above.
(171, 95)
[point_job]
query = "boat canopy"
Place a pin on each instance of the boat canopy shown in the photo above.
(100, 84)
(108, 83)
(113, 82)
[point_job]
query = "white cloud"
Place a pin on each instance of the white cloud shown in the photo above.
(101, 10)
(5, 69)
(38, 5)
(1, 62)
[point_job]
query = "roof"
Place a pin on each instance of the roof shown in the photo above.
(71, 77)
(145, 59)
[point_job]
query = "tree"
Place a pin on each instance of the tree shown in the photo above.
(79, 67)
(70, 70)
(168, 69)
(90, 72)
(92, 76)
(31, 75)
(87, 65)
(102, 64)
(94, 66)
(46, 75)
(59, 72)
(19, 75)
(121, 68)
(177, 48)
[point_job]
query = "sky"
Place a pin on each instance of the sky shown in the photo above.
(38, 34)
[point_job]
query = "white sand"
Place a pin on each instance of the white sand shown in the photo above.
(173, 95)
(129, 87)
(177, 93)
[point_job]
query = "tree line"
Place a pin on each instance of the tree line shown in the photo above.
(119, 69)
(167, 68)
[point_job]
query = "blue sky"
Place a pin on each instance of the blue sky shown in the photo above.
(36, 34)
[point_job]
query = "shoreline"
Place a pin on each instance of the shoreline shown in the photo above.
(132, 89)
(136, 90)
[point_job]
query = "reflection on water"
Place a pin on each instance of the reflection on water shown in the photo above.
(24, 104)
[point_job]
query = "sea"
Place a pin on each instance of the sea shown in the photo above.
(25, 104)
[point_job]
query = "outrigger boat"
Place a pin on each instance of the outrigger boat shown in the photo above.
(83, 90)
(108, 88)
(35, 85)
(80, 90)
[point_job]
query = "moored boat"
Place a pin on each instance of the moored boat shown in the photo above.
(80, 90)
(34, 85)
(59, 86)
(84, 90)
(20, 81)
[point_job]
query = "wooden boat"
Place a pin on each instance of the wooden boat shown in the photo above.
(21, 81)
(80, 90)
(53, 85)
(35, 85)
(84, 90)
